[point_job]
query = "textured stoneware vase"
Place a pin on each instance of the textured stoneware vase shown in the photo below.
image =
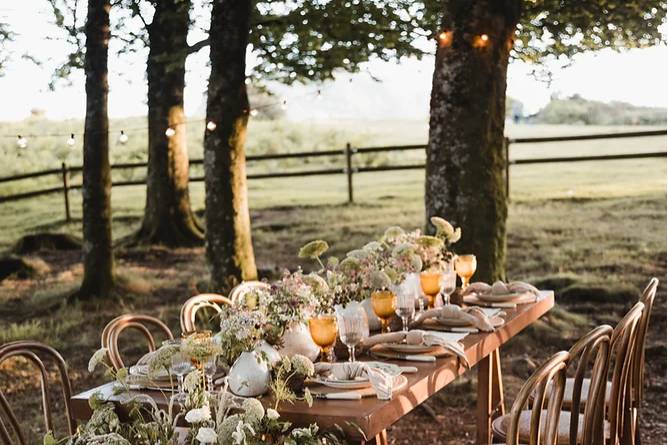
(297, 340)
(372, 318)
(249, 376)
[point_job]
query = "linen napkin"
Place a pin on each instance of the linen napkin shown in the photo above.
(500, 288)
(419, 337)
(382, 382)
(473, 316)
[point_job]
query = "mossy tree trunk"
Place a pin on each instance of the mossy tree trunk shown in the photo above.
(98, 258)
(229, 248)
(168, 217)
(465, 154)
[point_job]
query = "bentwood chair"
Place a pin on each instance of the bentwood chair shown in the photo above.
(591, 352)
(541, 424)
(194, 304)
(239, 293)
(638, 367)
(138, 322)
(34, 352)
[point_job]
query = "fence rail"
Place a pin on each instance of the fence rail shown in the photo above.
(346, 168)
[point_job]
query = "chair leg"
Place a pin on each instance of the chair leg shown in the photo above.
(380, 439)
(490, 396)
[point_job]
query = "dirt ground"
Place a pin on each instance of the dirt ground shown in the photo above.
(594, 262)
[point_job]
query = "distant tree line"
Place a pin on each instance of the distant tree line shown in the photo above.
(576, 110)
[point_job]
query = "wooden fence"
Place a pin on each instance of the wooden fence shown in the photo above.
(347, 166)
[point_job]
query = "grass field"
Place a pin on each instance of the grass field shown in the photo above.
(592, 231)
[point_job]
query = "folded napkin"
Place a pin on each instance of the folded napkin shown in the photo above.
(419, 337)
(472, 316)
(501, 288)
(382, 382)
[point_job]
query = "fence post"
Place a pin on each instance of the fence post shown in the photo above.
(349, 171)
(506, 145)
(66, 194)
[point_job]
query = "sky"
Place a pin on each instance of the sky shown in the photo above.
(635, 76)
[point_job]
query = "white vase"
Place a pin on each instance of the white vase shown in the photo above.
(372, 318)
(249, 375)
(272, 355)
(297, 340)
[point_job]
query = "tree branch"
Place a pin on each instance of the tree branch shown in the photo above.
(197, 46)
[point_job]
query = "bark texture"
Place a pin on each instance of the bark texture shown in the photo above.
(229, 248)
(98, 259)
(465, 154)
(168, 217)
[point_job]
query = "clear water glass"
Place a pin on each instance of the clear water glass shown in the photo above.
(180, 366)
(448, 284)
(405, 305)
(353, 328)
(210, 368)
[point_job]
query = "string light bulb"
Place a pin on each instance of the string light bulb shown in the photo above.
(253, 112)
(71, 141)
(123, 138)
(445, 38)
(480, 41)
(169, 132)
(21, 142)
(211, 125)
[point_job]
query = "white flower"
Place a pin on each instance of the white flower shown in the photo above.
(97, 358)
(206, 435)
(192, 381)
(198, 415)
(272, 414)
(253, 409)
(302, 365)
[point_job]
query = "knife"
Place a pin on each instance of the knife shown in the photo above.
(407, 357)
(348, 395)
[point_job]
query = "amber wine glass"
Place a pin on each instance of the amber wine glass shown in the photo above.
(384, 303)
(324, 330)
(465, 266)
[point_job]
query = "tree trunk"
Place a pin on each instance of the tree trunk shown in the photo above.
(168, 217)
(98, 259)
(228, 234)
(465, 154)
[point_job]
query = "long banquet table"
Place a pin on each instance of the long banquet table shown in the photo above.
(367, 420)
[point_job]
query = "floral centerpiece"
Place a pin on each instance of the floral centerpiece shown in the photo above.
(221, 418)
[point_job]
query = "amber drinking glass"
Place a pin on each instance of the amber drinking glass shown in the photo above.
(384, 303)
(324, 330)
(465, 266)
(431, 286)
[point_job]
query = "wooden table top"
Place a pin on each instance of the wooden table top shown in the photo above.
(368, 417)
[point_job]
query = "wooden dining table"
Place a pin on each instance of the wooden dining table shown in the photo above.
(366, 421)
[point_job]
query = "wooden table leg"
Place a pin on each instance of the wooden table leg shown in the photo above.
(490, 396)
(380, 439)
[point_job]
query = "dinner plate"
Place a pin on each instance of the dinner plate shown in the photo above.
(142, 371)
(499, 298)
(409, 349)
(453, 322)
(344, 384)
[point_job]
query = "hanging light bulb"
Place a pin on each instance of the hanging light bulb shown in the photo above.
(480, 41)
(71, 141)
(211, 125)
(284, 104)
(484, 37)
(445, 38)
(21, 142)
(253, 112)
(123, 138)
(169, 132)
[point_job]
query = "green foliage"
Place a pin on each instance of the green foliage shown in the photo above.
(577, 110)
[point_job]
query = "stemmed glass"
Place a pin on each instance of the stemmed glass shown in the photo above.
(180, 366)
(353, 328)
(448, 283)
(323, 330)
(405, 304)
(210, 368)
(465, 265)
(384, 303)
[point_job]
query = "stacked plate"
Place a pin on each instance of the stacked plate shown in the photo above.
(138, 377)
(360, 382)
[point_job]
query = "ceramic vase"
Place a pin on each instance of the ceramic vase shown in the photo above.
(249, 375)
(297, 340)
